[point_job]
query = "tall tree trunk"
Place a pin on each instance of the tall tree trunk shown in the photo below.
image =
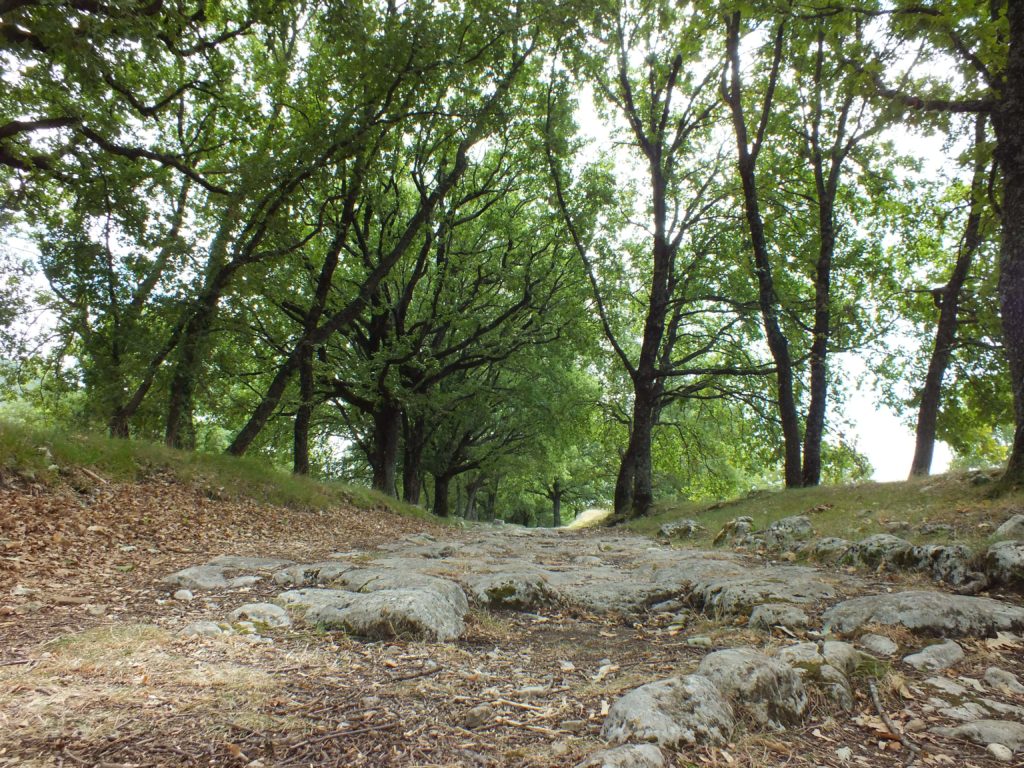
(767, 299)
(1008, 120)
(945, 331)
(441, 488)
(817, 407)
(387, 432)
(491, 507)
(644, 418)
(623, 501)
(413, 439)
(472, 490)
(556, 504)
(304, 414)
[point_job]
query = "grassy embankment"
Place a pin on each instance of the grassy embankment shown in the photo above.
(961, 501)
(50, 456)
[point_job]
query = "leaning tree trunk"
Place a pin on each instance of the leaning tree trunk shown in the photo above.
(945, 332)
(1008, 119)
(768, 301)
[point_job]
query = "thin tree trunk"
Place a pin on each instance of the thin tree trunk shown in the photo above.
(304, 414)
(556, 505)
(491, 508)
(767, 299)
(946, 330)
(472, 489)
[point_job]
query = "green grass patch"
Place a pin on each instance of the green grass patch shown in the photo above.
(49, 456)
(853, 512)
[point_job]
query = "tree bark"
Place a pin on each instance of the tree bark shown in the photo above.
(814, 428)
(412, 458)
(304, 414)
(387, 431)
(946, 329)
(556, 505)
(491, 508)
(441, 488)
(767, 299)
(472, 490)
(1008, 121)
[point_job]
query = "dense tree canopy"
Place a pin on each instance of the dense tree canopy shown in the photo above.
(516, 258)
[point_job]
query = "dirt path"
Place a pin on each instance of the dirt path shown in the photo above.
(560, 626)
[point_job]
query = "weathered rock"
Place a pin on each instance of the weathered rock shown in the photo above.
(1003, 680)
(829, 549)
(843, 656)
(785, 533)
(879, 645)
(236, 563)
(378, 579)
(883, 550)
(734, 595)
(204, 578)
(204, 629)
(769, 615)
(950, 563)
(384, 614)
(1009, 734)
(826, 671)
(940, 528)
(215, 574)
(1011, 529)
(626, 756)
(680, 529)
(675, 712)
(184, 596)
(312, 574)
(936, 657)
(736, 531)
(1004, 563)
(927, 613)
(766, 690)
(518, 590)
(1000, 752)
(267, 614)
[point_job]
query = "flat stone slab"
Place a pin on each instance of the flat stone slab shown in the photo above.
(418, 614)
(984, 732)
(926, 613)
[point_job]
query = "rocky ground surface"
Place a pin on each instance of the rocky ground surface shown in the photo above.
(503, 646)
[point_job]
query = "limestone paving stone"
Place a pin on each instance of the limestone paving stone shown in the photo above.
(674, 713)
(1004, 563)
(936, 657)
(926, 613)
(626, 756)
(768, 691)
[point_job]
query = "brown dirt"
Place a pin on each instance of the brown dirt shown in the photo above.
(93, 673)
